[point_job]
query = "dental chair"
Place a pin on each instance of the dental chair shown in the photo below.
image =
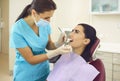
(97, 63)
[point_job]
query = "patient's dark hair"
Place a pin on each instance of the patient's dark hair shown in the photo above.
(90, 33)
(40, 6)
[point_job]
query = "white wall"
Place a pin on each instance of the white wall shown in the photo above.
(72, 12)
(107, 27)
(68, 14)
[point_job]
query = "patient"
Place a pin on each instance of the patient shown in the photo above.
(75, 66)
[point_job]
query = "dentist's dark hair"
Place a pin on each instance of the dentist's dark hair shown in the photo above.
(90, 33)
(40, 6)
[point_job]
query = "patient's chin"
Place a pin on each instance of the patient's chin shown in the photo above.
(71, 44)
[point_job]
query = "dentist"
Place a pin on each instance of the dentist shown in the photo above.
(30, 36)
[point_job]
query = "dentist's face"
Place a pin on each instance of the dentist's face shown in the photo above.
(77, 37)
(46, 15)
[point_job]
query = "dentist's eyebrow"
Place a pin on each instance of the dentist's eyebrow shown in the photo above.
(46, 17)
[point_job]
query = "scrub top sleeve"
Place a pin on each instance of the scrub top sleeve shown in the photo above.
(17, 41)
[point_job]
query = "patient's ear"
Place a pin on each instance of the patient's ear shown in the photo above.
(86, 41)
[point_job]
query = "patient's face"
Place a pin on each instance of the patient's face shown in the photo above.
(78, 37)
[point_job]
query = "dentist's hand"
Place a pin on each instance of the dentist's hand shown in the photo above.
(61, 40)
(65, 49)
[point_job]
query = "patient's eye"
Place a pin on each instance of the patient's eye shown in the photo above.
(75, 31)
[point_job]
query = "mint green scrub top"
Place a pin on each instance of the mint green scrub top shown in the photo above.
(22, 36)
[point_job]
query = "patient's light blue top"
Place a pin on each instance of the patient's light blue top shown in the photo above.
(22, 36)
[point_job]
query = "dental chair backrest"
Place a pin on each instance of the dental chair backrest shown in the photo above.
(94, 47)
(97, 63)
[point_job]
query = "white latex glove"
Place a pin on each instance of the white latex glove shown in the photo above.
(59, 51)
(61, 40)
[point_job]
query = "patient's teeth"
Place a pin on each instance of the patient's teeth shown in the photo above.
(68, 41)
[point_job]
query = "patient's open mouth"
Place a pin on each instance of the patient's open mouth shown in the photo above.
(71, 40)
(68, 41)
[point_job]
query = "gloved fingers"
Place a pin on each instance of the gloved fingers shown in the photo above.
(63, 37)
(66, 48)
(61, 50)
(61, 40)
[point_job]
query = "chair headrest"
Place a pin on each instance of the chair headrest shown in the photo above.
(94, 47)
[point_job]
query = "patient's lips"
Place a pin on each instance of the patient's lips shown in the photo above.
(68, 41)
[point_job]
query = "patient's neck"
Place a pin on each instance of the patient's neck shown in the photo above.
(78, 51)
